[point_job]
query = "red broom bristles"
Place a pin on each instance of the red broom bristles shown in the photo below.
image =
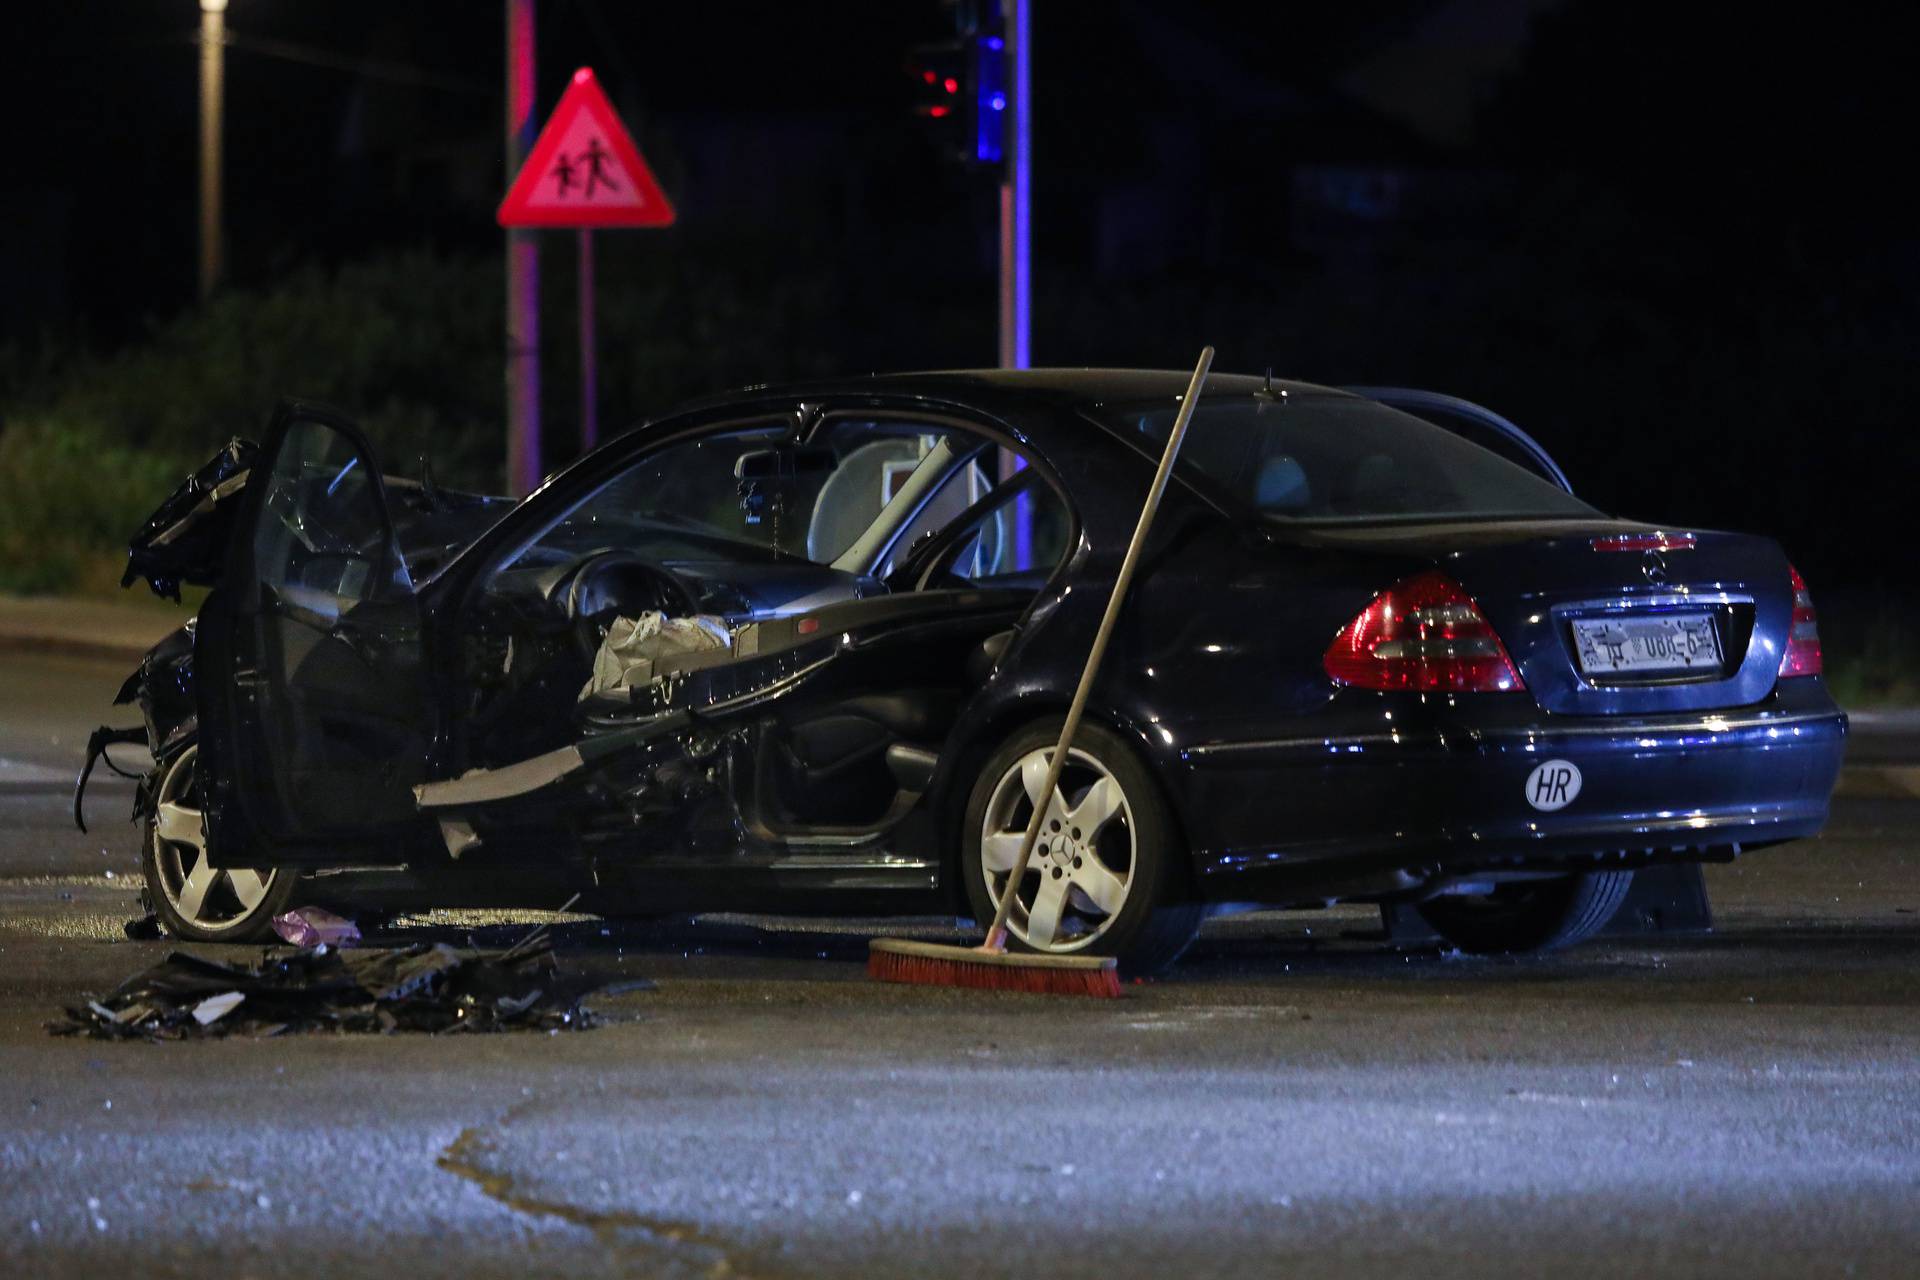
(1036, 979)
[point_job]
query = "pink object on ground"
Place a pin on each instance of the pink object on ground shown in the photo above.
(316, 926)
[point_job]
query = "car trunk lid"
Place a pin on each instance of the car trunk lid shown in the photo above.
(1607, 617)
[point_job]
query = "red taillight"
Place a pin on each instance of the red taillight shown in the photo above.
(1645, 542)
(1423, 633)
(1802, 656)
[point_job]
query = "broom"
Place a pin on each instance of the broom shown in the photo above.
(990, 965)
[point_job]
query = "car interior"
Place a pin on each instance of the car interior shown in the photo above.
(919, 539)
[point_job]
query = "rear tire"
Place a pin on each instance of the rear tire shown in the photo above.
(1129, 856)
(1529, 915)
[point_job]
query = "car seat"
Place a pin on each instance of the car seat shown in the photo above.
(1281, 486)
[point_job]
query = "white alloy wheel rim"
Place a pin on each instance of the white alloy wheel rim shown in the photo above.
(207, 897)
(1083, 863)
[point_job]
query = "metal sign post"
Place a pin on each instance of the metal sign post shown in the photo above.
(1016, 279)
(1016, 262)
(523, 269)
(589, 373)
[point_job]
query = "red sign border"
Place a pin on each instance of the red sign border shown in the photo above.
(584, 94)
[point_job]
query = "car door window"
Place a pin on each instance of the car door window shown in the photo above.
(895, 482)
(964, 485)
(1014, 542)
(688, 500)
(323, 537)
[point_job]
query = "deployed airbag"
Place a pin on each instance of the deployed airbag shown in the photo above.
(644, 648)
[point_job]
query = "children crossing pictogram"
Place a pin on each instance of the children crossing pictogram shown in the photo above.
(584, 170)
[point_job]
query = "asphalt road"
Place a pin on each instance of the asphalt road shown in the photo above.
(1293, 1100)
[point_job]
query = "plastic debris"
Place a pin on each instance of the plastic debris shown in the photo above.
(424, 988)
(316, 927)
(213, 1008)
(144, 928)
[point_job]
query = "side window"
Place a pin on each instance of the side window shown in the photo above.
(876, 461)
(751, 493)
(895, 481)
(855, 494)
(956, 494)
(322, 531)
(1017, 542)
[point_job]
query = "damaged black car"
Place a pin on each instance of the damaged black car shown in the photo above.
(805, 651)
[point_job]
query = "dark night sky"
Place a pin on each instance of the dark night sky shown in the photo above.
(104, 95)
(1802, 115)
(1650, 231)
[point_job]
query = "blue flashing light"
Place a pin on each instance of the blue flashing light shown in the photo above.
(991, 99)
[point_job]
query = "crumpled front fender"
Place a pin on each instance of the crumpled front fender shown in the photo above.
(185, 539)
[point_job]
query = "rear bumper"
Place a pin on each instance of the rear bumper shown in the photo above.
(1406, 781)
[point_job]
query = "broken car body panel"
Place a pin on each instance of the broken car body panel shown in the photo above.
(186, 538)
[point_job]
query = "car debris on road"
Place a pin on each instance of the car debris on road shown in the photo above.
(430, 988)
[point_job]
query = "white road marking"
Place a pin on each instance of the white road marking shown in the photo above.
(22, 771)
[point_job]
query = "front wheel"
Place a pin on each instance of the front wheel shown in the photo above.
(1108, 876)
(198, 902)
(1529, 915)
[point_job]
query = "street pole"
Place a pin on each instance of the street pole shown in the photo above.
(589, 355)
(1016, 282)
(523, 268)
(213, 49)
(1016, 276)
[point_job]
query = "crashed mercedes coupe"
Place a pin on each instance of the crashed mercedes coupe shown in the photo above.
(806, 650)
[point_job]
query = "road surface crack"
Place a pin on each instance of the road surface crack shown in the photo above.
(615, 1229)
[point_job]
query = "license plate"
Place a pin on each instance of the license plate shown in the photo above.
(1637, 646)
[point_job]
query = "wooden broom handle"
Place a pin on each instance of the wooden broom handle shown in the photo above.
(997, 934)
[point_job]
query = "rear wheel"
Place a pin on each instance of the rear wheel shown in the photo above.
(1529, 915)
(1108, 876)
(196, 901)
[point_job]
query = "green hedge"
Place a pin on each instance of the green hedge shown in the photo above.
(409, 344)
(90, 444)
(69, 499)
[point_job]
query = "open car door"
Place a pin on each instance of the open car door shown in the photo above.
(308, 661)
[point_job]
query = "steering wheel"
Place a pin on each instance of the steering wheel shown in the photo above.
(610, 583)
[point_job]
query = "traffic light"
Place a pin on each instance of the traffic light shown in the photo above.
(940, 73)
(960, 88)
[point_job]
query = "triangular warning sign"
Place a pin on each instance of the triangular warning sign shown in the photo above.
(584, 170)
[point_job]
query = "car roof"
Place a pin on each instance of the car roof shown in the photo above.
(1076, 388)
(1024, 398)
(1099, 386)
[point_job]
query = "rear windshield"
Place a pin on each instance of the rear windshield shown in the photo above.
(1336, 457)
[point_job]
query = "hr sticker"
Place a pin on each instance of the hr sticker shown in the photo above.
(1553, 784)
